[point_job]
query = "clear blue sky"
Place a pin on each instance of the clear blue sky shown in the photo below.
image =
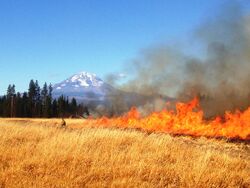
(49, 40)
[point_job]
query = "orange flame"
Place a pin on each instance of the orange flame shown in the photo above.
(187, 120)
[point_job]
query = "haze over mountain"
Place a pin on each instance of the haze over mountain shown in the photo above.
(91, 90)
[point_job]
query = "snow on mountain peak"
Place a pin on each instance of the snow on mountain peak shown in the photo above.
(82, 79)
(86, 79)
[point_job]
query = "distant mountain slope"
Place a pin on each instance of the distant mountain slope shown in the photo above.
(89, 89)
(83, 86)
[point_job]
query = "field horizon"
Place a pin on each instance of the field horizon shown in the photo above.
(38, 153)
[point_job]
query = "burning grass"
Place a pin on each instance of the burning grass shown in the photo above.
(186, 120)
(46, 156)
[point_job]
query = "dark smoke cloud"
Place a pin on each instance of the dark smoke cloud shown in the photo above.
(221, 77)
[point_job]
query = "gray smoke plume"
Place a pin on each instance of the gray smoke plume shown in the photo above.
(220, 77)
(221, 80)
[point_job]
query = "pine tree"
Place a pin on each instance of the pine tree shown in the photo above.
(18, 105)
(10, 101)
(2, 105)
(54, 108)
(38, 103)
(44, 92)
(50, 90)
(44, 96)
(32, 98)
(26, 111)
(73, 106)
(49, 102)
(61, 106)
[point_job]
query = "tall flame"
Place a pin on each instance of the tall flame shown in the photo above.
(186, 120)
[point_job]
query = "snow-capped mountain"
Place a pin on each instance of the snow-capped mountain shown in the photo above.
(93, 91)
(83, 86)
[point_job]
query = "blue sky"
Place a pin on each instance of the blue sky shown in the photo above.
(50, 40)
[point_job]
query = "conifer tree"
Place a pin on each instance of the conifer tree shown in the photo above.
(9, 107)
(61, 106)
(18, 105)
(32, 98)
(73, 108)
(49, 102)
(38, 103)
(44, 96)
(54, 108)
(26, 111)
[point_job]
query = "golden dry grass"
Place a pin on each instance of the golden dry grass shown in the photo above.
(47, 156)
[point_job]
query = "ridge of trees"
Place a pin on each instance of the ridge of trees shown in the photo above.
(38, 102)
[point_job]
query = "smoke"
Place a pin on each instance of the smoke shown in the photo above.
(220, 76)
(221, 80)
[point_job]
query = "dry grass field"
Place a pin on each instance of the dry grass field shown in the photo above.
(36, 153)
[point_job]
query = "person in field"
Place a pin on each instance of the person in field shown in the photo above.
(63, 123)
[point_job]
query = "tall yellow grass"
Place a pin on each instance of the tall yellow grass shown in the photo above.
(47, 156)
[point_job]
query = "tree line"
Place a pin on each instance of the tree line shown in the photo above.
(37, 102)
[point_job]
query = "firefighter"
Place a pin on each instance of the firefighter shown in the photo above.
(63, 123)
